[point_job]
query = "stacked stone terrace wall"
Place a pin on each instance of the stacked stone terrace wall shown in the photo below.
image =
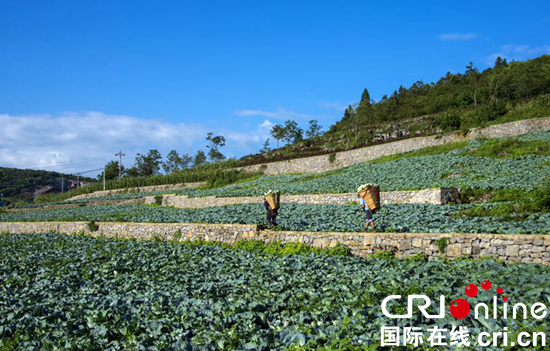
(506, 247)
(436, 196)
(317, 164)
(143, 189)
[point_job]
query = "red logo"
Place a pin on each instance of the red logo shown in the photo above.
(460, 308)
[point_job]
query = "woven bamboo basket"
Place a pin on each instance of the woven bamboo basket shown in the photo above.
(274, 200)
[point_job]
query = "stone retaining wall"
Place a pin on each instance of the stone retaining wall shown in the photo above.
(227, 233)
(317, 164)
(507, 247)
(143, 189)
(436, 196)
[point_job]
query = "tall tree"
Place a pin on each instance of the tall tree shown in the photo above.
(186, 161)
(111, 171)
(173, 162)
(471, 69)
(293, 133)
(265, 148)
(314, 129)
(148, 165)
(131, 172)
(214, 145)
(199, 159)
(365, 99)
(278, 133)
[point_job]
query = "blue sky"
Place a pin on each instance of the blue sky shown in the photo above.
(81, 80)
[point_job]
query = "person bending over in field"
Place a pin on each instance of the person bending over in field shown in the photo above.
(271, 215)
(365, 208)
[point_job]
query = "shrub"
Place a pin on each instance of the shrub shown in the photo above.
(385, 255)
(448, 121)
(332, 157)
(491, 112)
(158, 200)
(92, 226)
(418, 257)
(442, 245)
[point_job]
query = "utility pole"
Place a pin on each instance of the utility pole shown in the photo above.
(62, 185)
(120, 154)
(104, 168)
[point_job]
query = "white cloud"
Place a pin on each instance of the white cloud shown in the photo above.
(337, 105)
(518, 52)
(250, 139)
(457, 36)
(281, 114)
(74, 142)
(77, 142)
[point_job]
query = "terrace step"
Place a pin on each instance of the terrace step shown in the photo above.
(143, 189)
(507, 247)
(436, 196)
(323, 163)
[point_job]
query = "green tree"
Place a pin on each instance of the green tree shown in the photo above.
(314, 129)
(278, 133)
(111, 171)
(214, 145)
(148, 165)
(265, 148)
(186, 161)
(292, 133)
(131, 172)
(199, 159)
(175, 162)
(365, 99)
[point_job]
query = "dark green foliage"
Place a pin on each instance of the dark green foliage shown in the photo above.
(332, 157)
(514, 204)
(149, 164)
(174, 162)
(489, 90)
(265, 148)
(448, 121)
(427, 151)
(383, 255)
(81, 293)
(214, 145)
(199, 159)
(490, 112)
(507, 92)
(158, 200)
(277, 248)
(92, 226)
(111, 171)
(314, 129)
(19, 184)
(418, 257)
(442, 245)
(511, 148)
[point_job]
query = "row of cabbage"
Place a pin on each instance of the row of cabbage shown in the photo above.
(407, 218)
(77, 293)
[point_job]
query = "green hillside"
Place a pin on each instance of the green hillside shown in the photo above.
(22, 184)
(503, 93)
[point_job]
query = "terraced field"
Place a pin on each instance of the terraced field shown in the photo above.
(391, 218)
(457, 168)
(76, 293)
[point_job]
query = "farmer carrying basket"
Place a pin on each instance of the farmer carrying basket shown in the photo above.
(369, 195)
(272, 202)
